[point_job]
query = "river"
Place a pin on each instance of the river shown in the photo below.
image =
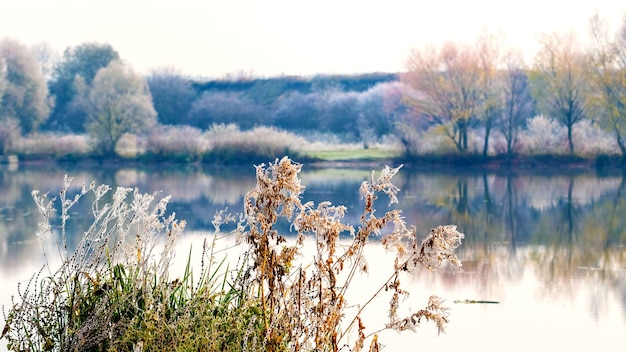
(548, 248)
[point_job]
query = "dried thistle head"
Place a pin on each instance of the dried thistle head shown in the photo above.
(439, 246)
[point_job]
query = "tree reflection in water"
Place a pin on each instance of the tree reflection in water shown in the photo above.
(567, 230)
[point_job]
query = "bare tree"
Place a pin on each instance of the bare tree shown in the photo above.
(606, 66)
(559, 81)
(489, 57)
(516, 100)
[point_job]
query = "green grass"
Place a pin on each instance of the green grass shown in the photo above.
(351, 155)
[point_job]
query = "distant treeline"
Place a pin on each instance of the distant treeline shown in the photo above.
(353, 83)
(468, 99)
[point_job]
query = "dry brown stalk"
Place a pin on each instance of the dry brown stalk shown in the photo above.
(306, 307)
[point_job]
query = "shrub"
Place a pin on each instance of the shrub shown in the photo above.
(591, 140)
(52, 146)
(544, 135)
(176, 142)
(9, 133)
(227, 143)
(116, 291)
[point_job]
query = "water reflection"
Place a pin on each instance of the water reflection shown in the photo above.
(564, 233)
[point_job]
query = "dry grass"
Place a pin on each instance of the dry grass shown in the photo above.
(117, 292)
(305, 303)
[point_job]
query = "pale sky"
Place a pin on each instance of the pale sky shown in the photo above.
(267, 38)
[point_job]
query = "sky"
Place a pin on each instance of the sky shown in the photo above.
(266, 38)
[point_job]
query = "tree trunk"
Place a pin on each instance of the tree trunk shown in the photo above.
(621, 145)
(487, 132)
(569, 139)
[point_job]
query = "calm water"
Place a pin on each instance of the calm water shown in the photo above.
(550, 249)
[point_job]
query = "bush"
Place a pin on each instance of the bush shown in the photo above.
(183, 143)
(226, 143)
(9, 133)
(544, 135)
(52, 146)
(116, 291)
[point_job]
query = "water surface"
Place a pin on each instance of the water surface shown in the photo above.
(550, 249)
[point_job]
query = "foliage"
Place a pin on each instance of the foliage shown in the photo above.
(224, 107)
(116, 290)
(606, 67)
(52, 146)
(178, 142)
(544, 136)
(228, 144)
(448, 80)
(172, 95)
(24, 93)
(117, 102)
(9, 133)
(84, 61)
(559, 83)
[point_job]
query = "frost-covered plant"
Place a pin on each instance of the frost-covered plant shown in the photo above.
(229, 142)
(176, 141)
(51, 145)
(115, 291)
(304, 303)
(591, 140)
(543, 135)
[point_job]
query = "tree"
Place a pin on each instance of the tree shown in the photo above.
(559, 82)
(47, 57)
(117, 102)
(517, 104)
(448, 82)
(606, 67)
(172, 95)
(489, 56)
(299, 112)
(82, 61)
(25, 97)
(223, 107)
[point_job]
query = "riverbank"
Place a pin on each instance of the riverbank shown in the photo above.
(549, 164)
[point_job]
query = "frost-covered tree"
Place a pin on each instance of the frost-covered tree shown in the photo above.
(25, 93)
(559, 82)
(79, 64)
(116, 102)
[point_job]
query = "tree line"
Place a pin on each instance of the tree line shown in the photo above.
(476, 98)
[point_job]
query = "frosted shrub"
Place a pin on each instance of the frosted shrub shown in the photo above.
(9, 133)
(424, 142)
(52, 145)
(543, 135)
(229, 142)
(591, 140)
(176, 141)
(130, 145)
